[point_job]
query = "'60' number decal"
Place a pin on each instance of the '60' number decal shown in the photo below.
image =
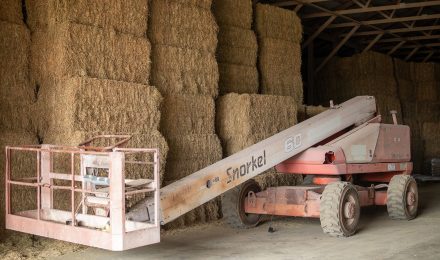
(292, 143)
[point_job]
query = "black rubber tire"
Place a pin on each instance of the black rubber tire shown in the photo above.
(233, 206)
(397, 195)
(333, 200)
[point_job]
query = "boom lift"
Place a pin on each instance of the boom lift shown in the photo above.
(355, 160)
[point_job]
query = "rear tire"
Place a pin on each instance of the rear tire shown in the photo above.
(233, 206)
(402, 197)
(339, 209)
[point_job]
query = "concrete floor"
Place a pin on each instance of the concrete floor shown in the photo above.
(297, 238)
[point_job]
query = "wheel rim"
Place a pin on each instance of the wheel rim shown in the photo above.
(349, 211)
(248, 219)
(411, 198)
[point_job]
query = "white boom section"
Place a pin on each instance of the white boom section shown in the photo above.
(214, 180)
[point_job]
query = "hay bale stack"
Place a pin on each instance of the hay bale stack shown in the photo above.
(188, 125)
(91, 105)
(279, 34)
(16, 94)
(431, 137)
(237, 47)
(426, 81)
(405, 83)
(243, 120)
(123, 16)
(369, 73)
(184, 39)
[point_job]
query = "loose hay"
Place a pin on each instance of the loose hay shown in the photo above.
(10, 11)
(233, 13)
(238, 79)
(124, 16)
(85, 104)
(188, 114)
(69, 50)
(16, 95)
(277, 23)
(280, 68)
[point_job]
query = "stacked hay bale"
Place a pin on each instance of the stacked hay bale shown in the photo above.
(279, 34)
(427, 92)
(90, 63)
(184, 69)
(243, 120)
(237, 47)
(306, 112)
(362, 74)
(16, 98)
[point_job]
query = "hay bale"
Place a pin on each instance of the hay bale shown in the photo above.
(16, 94)
(428, 111)
(70, 50)
(86, 104)
(11, 11)
(22, 165)
(204, 4)
(176, 36)
(406, 89)
(237, 46)
(277, 23)
(423, 72)
(306, 112)
(427, 90)
(123, 16)
(361, 65)
(249, 115)
(187, 114)
(237, 79)
(236, 13)
(280, 68)
(184, 71)
(169, 12)
(431, 130)
(402, 69)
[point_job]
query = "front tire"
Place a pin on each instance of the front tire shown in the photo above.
(339, 209)
(233, 206)
(402, 197)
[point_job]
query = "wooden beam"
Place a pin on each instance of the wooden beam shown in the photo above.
(371, 44)
(375, 9)
(384, 21)
(400, 30)
(290, 3)
(396, 47)
(411, 46)
(298, 7)
(336, 49)
(428, 57)
(317, 32)
(414, 38)
(411, 53)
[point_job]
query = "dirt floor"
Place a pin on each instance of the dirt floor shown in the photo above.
(295, 238)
